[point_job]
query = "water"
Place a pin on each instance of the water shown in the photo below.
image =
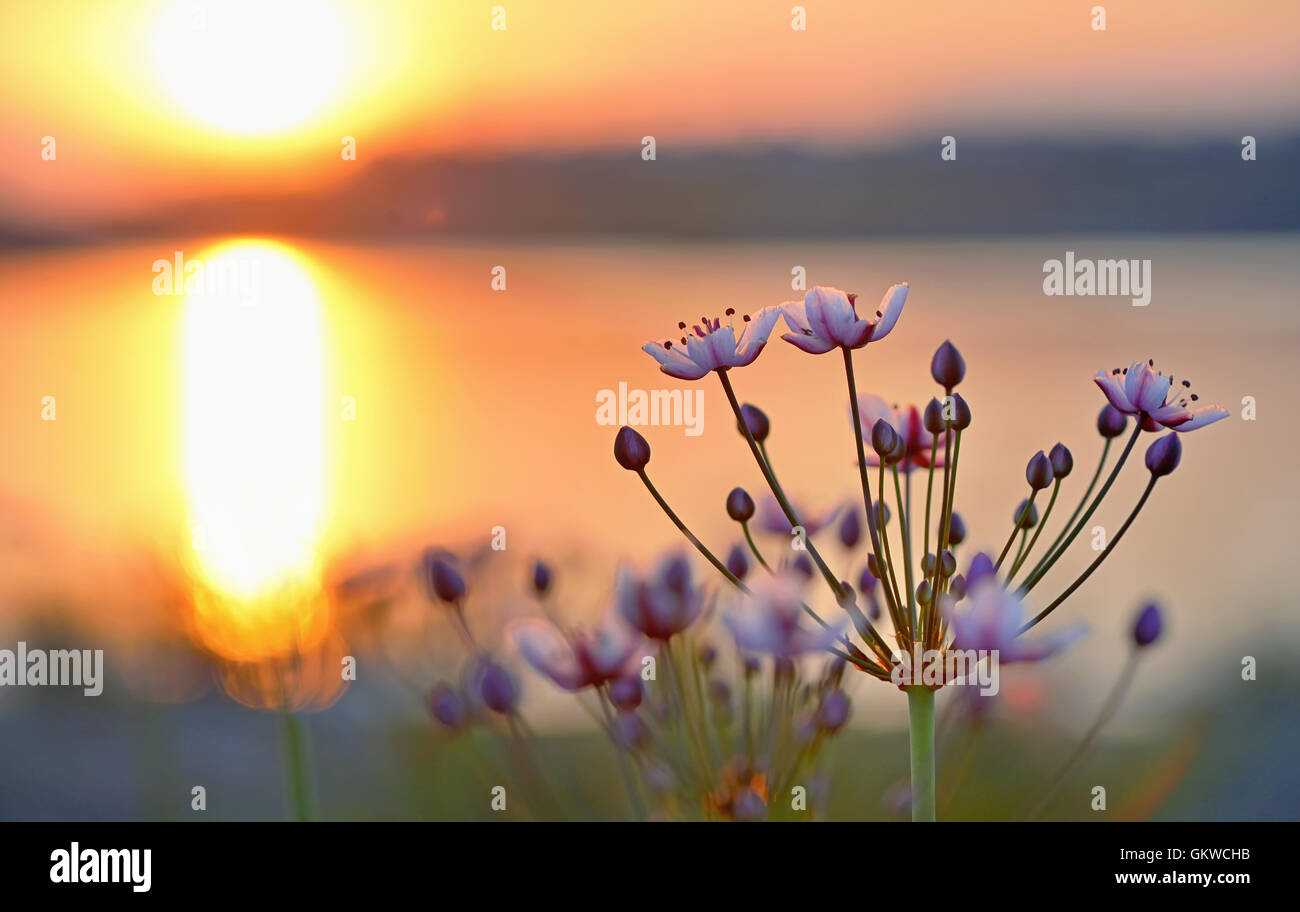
(476, 408)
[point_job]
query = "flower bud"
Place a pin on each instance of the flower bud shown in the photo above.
(899, 452)
(440, 578)
(884, 439)
(803, 565)
(873, 567)
(1026, 515)
(947, 564)
(833, 710)
(1164, 455)
(933, 417)
(1146, 629)
(737, 562)
(981, 567)
(1062, 461)
(541, 577)
(631, 449)
(947, 367)
(957, 586)
(956, 530)
(1039, 471)
(447, 706)
(740, 506)
(497, 688)
(927, 565)
(923, 592)
(867, 580)
(851, 528)
(882, 513)
(759, 426)
(961, 412)
(626, 693)
(630, 731)
(1111, 421)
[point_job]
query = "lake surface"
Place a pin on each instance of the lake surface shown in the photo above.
(473, 408)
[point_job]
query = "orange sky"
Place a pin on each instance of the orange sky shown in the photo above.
(101, 78)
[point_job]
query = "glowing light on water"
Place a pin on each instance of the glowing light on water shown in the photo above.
(254, 444)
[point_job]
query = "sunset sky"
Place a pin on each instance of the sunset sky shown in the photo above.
(201, 99)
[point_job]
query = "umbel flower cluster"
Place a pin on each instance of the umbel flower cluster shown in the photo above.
(737, 733)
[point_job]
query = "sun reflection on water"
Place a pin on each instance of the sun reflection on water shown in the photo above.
(254, 448)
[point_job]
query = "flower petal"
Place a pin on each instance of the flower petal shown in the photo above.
(813, 344)
(755, 335)
(674, 362)
(891, 308)
(1133, 381)
(1114, 390)
(1201, 417)
(544, 648)
(835, 309)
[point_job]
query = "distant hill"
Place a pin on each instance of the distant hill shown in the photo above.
(1002, 188)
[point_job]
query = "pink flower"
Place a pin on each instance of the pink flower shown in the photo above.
(1139, 390)
(908, 425)
(827, 318)
(581, 659)
(990, 619)
(664, 604)
(769, 621)
(714, 347)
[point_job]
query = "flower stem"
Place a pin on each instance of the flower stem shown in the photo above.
(1100, 557)
(690, 536)
(1019, 523)
(920, 713)
(1038, 574)
(1107, 711)
(633, 797)
(297, 767)
(1083, 502)
(906, 532)
(1024, 555)
(872, 531)
(753, 547)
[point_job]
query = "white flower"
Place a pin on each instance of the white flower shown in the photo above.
(827, 318)
(714, 346)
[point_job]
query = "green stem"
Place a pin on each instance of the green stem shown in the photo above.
(298, 767)
(1097, 563)
(1108, 709)
(690, 536)
(907, 551)
(633, 797)
(1038, 574)
(1023, 556)
(872, 531)
(877, 642)
(753, 547)
(1017, 524)
(1083, 502)
(929, 490)
(920, 712)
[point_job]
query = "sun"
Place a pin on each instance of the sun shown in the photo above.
(251, 66)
